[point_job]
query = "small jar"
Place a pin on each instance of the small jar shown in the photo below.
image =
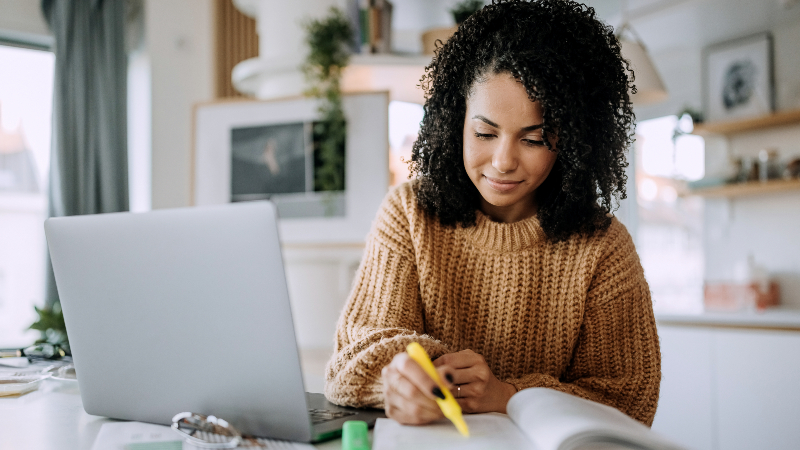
(749, 170)
(768, 165)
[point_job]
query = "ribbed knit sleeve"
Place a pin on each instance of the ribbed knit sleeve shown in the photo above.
(616, 359)
(383, 313)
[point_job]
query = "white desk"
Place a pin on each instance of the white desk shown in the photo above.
(52, 418)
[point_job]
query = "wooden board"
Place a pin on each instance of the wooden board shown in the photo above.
(776, 119)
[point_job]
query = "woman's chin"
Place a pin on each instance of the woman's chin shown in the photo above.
(500, 200)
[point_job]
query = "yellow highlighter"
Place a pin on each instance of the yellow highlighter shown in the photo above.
(449, 405)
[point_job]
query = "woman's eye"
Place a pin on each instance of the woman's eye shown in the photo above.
(483, 136)
(532, 142)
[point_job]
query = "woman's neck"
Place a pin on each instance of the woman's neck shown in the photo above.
(511, 213)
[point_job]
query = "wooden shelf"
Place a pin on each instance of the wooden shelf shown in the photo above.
(748, 189)
(390, 59)
(757, 123)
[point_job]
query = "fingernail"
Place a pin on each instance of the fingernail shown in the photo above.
(438, 392)
(449, 377)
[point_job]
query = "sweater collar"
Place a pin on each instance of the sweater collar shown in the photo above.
(504, 237)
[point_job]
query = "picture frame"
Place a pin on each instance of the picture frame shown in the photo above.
(739, 79)
(257, 149)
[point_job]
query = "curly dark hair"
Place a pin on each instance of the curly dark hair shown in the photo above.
(570, 62)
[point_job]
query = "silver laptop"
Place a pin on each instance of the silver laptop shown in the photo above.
(187, 310)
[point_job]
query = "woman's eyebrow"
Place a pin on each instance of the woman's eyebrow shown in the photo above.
(489, 122)
(484, 119)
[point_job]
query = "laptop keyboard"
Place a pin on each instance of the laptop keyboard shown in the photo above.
(324, 415)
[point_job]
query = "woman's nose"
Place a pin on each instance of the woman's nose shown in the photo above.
(505, 158)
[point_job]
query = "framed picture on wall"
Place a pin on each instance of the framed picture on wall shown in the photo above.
(739, 78)
(256, 150)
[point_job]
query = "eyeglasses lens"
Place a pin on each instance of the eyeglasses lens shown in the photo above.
(206, 432)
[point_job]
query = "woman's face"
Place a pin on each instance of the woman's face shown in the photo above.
(504, 152)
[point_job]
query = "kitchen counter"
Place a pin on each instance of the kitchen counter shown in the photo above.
(771, 319)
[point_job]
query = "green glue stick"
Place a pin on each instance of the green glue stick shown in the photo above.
(355, 435)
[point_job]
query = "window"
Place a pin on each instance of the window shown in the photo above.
(26, 92)
(404, 121)
(669, 226)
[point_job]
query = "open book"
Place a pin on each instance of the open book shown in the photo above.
(538, 419)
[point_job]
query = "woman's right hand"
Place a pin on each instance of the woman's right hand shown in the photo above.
(409, 393)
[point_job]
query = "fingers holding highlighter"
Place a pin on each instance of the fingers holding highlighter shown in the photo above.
(416, 393)
(409, 393)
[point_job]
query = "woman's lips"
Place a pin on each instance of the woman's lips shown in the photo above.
(502, 185)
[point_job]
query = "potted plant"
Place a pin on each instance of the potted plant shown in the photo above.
(329, 41)
(461, 11)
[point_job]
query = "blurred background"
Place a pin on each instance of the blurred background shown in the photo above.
(713, 199)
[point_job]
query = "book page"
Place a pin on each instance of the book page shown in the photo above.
(554, 420)
(486, 431)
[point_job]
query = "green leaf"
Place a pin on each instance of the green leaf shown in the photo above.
(51, 324)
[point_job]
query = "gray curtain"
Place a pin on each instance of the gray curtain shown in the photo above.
(89, 162)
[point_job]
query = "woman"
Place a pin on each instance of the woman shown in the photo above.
(502, 257)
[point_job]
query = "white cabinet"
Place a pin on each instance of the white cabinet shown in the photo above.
(757, 389)
(729, 389)
(685, 411)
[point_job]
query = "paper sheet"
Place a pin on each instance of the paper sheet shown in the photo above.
(14, 362)
(118, 435)
(487, 431)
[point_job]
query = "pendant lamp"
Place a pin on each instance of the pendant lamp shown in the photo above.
(649, 86)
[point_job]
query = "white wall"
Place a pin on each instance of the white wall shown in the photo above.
(787, 66)
(180, 50)
(22, 20)
(767, 226)
(410, 18)
(681, 68)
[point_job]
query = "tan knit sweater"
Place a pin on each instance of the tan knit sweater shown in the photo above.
(575, 316)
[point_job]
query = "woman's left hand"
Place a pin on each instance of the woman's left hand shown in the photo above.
(480, 391)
